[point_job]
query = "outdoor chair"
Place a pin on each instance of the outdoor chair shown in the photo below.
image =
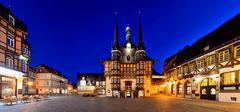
(26, 98)
(7, 100)
(14, 99)
(36, 97)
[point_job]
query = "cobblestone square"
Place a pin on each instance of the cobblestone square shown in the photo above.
(158, 103)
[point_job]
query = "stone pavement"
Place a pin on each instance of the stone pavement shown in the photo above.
(157, 103)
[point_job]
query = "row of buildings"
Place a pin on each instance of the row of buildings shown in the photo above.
(16, 77)
(209, 68)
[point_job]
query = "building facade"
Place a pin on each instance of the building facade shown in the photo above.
(29, 83)
(157, 83)
(91, 83)
(50, 81)
(14, 53)
(128, 71)
(209, 68)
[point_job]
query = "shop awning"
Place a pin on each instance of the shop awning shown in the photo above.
(10, 72)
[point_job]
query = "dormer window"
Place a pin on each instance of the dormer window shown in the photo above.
(11, 20)
(206, 48)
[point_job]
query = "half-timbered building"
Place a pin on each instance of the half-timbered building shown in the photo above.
(209, 68)
(128, 71)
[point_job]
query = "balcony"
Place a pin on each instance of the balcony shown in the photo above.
(139, 86)
(115, 86)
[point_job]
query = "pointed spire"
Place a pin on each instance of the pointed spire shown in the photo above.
(116, 43)
(140, 41)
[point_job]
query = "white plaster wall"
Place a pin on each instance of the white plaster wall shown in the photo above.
(229, 69)
(108, 86)
(226, 97)
(147, 85)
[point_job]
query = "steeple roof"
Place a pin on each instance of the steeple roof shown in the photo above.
(116, 42)
(140, 41)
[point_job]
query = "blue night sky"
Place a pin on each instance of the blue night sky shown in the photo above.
(74, 35)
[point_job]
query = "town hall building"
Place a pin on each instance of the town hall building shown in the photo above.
(128, 71)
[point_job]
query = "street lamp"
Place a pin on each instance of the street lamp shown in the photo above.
(28, 85)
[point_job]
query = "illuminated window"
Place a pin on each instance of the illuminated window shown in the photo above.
(213, 91)
(229, 78)
(24, 66)
(115, 65)
(25, 50)
(179, 70)
(191, 67)
(115, 79)
(141, 65)
(211, 60)
(200, 63)
(10, 41)
(204, 91)
(188, 88)
(185, 69)
(11, 20)
(224, 56)
(9, 61)
(237, 51)
(179, 88)
(204, 82)
(139, 80)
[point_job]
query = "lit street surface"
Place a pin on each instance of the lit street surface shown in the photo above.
(98, 104)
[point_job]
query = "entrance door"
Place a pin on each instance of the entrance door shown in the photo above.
(128, 88)
(208, 89)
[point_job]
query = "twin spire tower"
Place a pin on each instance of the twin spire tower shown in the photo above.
(128, 70)
(116, 45)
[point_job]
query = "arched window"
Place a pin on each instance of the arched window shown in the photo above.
(9, 61)
(179, 87)
(188, 88)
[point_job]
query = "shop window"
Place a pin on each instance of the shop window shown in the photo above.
(229, 78)
(9, 61)
(8, 86)
(10, 41)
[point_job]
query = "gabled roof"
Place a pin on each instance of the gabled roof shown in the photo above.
(4, 12)
(47, 69)
(226, 33)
